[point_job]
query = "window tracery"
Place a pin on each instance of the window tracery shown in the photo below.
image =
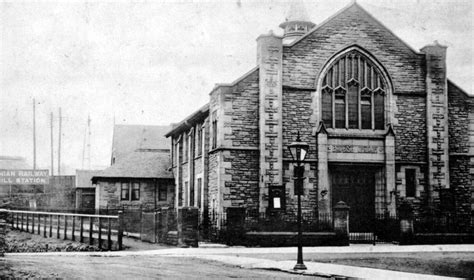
(353, 93)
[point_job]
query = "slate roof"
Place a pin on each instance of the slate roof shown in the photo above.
(83, 178)
(129, 138)
(140, 164)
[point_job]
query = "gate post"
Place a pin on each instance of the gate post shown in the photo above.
(188, 219)
(406, 224)
(341, 223)
(235, 225)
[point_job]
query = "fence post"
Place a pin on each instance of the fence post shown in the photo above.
(27, 223)
(406, 224)
(73, 235)
(91, 230)
(100, 233)
(120, 229)
(58, 227)
(341, 223)
(235, 225)
(32, 223)
(109, 237)
(65, 227)
(45, 220)
(81, 231)
(39, 224)
(50, 225)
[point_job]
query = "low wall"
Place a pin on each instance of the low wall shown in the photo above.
(290, 239)
(444, 238)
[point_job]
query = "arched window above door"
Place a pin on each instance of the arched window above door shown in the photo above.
(353, 93)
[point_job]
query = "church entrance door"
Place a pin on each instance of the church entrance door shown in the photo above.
(355, 185)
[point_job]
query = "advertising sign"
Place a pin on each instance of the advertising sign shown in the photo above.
(24, 177)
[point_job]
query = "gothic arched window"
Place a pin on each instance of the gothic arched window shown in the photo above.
(353, 93)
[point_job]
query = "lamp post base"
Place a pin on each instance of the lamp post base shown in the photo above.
(300, 266)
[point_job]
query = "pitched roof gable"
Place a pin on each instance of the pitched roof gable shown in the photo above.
(128, 138)
(140, 164)
(354, 6)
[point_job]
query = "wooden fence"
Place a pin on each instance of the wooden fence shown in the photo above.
(104, 231)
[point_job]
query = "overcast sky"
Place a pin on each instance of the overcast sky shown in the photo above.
(151, 62)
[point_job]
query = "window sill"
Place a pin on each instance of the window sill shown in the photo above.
(356, 133)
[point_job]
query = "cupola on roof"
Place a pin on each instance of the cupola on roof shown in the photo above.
(297, 22)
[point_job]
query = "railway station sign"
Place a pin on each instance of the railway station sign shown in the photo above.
(24, 177)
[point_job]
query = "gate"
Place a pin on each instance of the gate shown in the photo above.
(383, 228)
(148, 229)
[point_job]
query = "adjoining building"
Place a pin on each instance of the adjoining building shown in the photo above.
(85, 190)
(383, 122)
(139, 175)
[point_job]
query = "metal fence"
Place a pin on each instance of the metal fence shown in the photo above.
(444, 223)
(287, 222)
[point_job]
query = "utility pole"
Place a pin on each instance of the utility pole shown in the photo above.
(59, 143)
(34, 134)
(89, 141)
(86, 146)
(52, 149)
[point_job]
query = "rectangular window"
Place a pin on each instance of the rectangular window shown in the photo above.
(180, 195)
(199, 140)
(214, 134)
(135, 191)
(125, 191)
(353, 104)
(410, 182)
(185, 147)
(198, 193)
(191, 195)
(186, 191)
(162, 192)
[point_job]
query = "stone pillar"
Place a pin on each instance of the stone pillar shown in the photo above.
(188, 219)
(406, 224)
(341, 222)
(235, 225)
(323, 172)
(163, 222)
(437, 120)
(269, 60)
(390, 173)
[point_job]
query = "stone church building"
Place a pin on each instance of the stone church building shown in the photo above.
(383, 122)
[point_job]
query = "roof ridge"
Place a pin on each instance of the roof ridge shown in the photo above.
(352, 4)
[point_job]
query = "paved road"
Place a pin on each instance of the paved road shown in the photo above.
(131, 267)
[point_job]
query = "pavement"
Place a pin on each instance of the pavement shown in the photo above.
(230, 255)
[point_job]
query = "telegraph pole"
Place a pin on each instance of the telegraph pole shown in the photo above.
(52, 149)
(34, 134)
(59, 143)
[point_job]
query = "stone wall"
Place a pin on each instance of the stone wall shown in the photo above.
(410, 129)
(244, 116)
(109, 194)
(213, 188)
(243, 189)
(458, 116)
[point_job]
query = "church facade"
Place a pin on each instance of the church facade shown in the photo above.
(383, 122)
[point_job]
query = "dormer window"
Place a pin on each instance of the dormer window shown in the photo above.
(353, 93)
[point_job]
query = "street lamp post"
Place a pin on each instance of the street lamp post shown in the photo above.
(298, 151)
